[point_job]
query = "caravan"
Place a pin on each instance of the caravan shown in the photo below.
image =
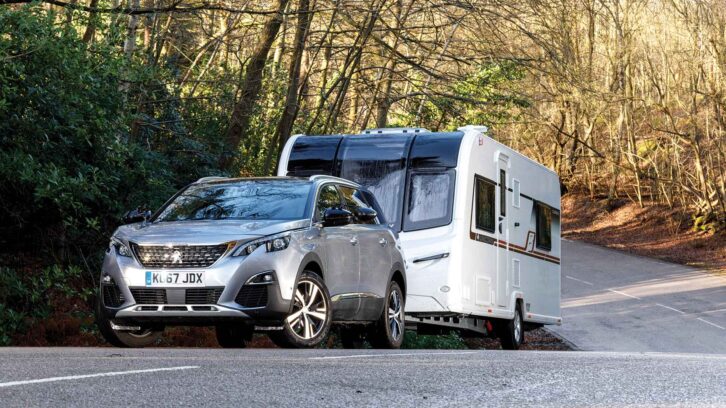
(479, 223)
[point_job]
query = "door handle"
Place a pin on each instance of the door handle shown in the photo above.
(354, 241)
(383, 242)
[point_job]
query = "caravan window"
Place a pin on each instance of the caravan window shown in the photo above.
(313, 155)
(544, 226)
(430, 199)
(484, 199)
(378, 163)
(502, 192)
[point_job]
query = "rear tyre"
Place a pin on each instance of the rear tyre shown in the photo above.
(511, 332)
(310, 319)
(235, 336)
(387, 332)
(145, 336)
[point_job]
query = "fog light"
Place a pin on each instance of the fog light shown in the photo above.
(263, 278)
(106, 279)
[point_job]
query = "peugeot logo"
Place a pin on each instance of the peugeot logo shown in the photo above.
(176, 257)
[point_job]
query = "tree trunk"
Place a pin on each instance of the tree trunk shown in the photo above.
(289, 113)
(250, 87)
(130, 43)
(92, 20)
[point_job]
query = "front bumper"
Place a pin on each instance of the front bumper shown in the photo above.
(274, 310)
(170, 305)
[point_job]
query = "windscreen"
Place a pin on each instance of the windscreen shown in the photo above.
(242, 200)
(378, 163)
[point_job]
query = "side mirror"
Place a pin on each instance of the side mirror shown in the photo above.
(364, 214)
(337, 217)
(137, 215)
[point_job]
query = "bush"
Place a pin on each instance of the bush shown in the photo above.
(78, 147)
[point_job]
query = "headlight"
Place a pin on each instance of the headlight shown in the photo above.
(271, 244)
(120, 248)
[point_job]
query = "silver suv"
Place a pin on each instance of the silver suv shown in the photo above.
(289, 256)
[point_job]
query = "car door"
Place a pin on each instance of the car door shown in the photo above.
(342, 271)
(375, 257)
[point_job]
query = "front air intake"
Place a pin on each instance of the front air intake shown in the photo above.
(112, 296)
(144, 296)
(252, 296)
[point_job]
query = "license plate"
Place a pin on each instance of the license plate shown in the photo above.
(174, 278)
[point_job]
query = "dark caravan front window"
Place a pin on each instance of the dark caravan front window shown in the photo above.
(379, 164)
(242, 200)
(430, 199)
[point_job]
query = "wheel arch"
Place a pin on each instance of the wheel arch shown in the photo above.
(397, 275)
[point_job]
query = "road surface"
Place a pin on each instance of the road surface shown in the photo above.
(308, 378)
(612, 301)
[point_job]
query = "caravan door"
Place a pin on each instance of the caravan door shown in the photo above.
(502, 231)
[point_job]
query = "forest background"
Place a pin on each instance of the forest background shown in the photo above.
(106, 105)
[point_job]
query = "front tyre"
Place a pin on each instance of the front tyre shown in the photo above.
(145, 336)
(310, 319)
(388, 331)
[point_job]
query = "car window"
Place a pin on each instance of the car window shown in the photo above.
(241, 200)
(354, 199)
(327, 198)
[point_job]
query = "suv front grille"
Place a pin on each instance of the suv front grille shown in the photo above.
(182, 256)
(252, 296)
(149, 296)
(203, 296)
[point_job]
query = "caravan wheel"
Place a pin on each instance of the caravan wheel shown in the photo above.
(511, 332)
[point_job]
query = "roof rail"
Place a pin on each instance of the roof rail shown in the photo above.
(477, 128)
(386, 131)
(327, 177)
(211, 178)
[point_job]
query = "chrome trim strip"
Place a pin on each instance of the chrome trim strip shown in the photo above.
(432, 257)
(357, 295)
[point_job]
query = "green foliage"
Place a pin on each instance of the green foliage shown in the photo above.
(451, 341)
(480, 98)
(28, 296)
(85, 134)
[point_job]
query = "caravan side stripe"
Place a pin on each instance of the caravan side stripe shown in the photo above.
(516, 248)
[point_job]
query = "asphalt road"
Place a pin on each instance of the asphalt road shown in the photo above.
(612, 301)
(182, 377)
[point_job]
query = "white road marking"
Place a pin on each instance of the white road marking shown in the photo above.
(578, 280)
(711, 323)
(389, 355)
(78, 377)
(624, 294)
(714, 311)
(673, 309)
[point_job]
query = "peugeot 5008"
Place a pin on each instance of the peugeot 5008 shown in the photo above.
(289, 256)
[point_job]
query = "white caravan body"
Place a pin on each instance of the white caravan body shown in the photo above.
(479, 223)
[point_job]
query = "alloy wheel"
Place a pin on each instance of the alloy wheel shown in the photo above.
(394, 314)
(309, 312)
(517, 326)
